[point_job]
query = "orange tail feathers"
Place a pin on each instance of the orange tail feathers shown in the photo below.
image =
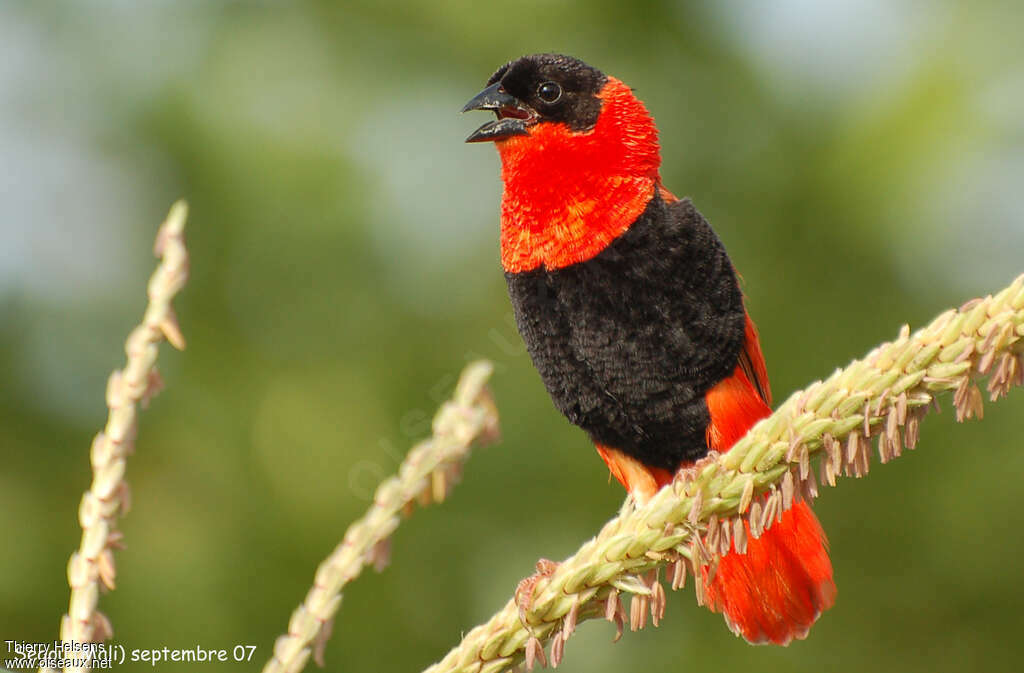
(776, 590)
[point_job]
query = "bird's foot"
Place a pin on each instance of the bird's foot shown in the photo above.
(524, 591)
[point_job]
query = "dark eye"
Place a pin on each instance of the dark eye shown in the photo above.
(549, 92)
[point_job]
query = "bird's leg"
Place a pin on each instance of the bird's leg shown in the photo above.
(524, 591)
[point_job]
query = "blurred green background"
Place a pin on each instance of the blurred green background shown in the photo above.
(863, 162)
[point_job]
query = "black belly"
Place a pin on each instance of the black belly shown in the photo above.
(628, 342)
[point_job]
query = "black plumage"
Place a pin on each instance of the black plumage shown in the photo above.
(577, 106)
(628, 342)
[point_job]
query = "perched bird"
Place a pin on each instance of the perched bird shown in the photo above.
(632, 313)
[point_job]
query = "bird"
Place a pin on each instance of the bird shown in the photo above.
(634, 317)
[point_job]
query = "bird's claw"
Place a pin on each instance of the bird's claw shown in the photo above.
(524, 590)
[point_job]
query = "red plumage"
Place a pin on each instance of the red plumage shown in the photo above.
(568, 196)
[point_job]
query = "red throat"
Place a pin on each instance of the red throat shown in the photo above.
(568, 193)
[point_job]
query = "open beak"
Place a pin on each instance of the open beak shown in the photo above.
(512, 115)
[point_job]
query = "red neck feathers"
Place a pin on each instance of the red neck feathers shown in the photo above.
(569, 194)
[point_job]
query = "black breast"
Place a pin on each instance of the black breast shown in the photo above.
(628, 342)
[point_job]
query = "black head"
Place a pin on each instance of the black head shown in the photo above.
(536, 89)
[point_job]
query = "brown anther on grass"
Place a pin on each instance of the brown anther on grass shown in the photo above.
(792, 452)
(171, 330)
(320, 641)
(747, 496)
(115, 540)
(901, 408)
(787, 489)
(678, 568)
(106, 569)
(801, 403)
(857, 455)
(884, 442)
(658, 603)
(968, 402)
(438, 486)
(712, 570)
(834, 455)
(755, 519)
(102, 629)
(154, 384)
(851, 451)
(969, 304)
(768, 513)
(894, 436)
(913, 429)
(569, 621)
(809, 486)
(883, 401)
(1001, 380)
(712, 539)
(780, 508)
(804, 457)
(825, 474)
(977, 406)
(698, 552)
(696, 506)
(638, 606)
(863, 458)
(698, 589)
(380, 555)
(726, 535)
(960, 398)
(557, 649)
(966, 353)
(739, 536)
(615, 613)
(535, 653)
(611, 605)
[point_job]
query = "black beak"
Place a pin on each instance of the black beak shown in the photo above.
(512, 115)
